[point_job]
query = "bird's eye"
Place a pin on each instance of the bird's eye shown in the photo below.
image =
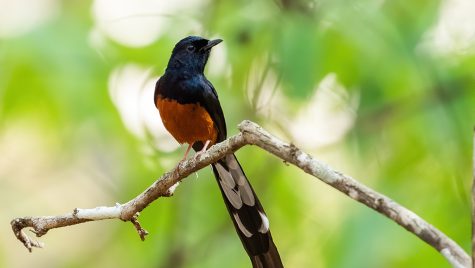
(190, 48)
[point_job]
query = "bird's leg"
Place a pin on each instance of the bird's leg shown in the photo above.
(182, 160)
(186, 153)
(185, 156)
(205, 147)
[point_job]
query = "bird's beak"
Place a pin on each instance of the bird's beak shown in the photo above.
(211, 44)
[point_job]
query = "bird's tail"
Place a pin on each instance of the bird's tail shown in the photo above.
(246, 212)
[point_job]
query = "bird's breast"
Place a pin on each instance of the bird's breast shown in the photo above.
(187, 123)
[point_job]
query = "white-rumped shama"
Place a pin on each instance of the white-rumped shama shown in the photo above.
(191, 112)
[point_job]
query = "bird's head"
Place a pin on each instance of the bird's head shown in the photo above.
(191, 53)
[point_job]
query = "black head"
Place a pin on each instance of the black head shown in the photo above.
(191, 53)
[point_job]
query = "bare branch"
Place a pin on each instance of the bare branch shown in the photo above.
(456, 256)
(251, 133)
(164, 186)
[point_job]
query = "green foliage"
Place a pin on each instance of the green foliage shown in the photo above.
(64, 143)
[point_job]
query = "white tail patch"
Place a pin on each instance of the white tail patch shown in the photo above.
(246, 195)
(265, 223)
(232, 162)
(233, 197)
(225, 176)
(239, 178)
(227, 184)
(241, 226)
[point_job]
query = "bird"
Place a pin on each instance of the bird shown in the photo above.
(191, 112)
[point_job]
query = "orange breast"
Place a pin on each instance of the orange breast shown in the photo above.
(188, 123)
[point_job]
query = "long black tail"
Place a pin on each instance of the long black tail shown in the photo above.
(247, 214)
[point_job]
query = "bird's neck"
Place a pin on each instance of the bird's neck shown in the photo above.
(192, 68)
(182, 73)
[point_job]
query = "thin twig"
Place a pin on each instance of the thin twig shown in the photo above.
(252, 133)
(141, 231)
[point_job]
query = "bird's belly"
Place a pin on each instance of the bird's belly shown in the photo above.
(188, 123)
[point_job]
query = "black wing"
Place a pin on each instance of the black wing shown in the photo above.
(207, 97)
(212, 105)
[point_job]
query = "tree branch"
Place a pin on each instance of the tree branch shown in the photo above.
(252, 134)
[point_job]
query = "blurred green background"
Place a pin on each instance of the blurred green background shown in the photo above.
(381, 90)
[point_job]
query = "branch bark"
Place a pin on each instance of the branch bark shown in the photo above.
(250, 134)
